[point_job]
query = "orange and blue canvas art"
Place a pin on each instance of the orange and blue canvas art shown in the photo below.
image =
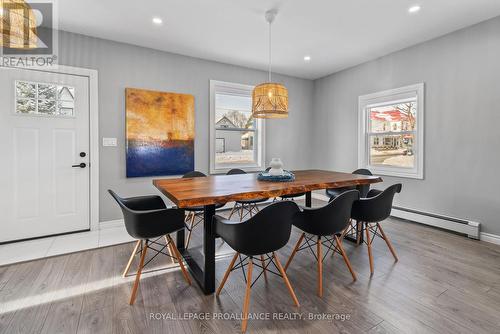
(160, 133)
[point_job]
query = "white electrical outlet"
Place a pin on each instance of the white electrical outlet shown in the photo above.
(109, 142)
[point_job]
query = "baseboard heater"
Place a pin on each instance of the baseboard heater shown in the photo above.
(470, 228)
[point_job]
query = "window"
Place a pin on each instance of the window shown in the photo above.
(36, 98)
(391, 132)
(236, 138)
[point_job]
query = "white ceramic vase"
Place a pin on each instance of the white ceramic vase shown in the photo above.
(276, 167)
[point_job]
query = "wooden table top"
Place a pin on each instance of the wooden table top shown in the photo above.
(219, 189)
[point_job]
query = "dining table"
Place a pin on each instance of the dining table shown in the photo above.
(208, 191)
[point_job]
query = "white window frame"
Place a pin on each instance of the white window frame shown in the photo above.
(229, 88)
(392, 96)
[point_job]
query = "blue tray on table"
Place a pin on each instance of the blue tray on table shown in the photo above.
(286, 177)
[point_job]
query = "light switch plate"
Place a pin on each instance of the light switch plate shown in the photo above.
(109, 142)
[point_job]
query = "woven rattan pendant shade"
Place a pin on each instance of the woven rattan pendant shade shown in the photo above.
(17, 25)
(270, 99)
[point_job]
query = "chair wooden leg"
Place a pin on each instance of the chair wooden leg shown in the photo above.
(226, 274)
(241, 211)
(345, 231)
(388, 242)
(285, 278)
(190, 230)
(319, 251)
(232, 211)
(358, 232)
(246, 302)
(295, 249)
(179, 259)
(346, 259)
(138, 275)
(263, 266)
(369, 244)
(129, 263)
(171, 252)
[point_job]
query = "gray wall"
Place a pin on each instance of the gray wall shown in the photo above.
(121, 65)
(461, 72)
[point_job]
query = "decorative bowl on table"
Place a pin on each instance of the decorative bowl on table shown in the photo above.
(276, 167)
(286, 176)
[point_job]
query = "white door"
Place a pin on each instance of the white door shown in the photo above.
(44, 137)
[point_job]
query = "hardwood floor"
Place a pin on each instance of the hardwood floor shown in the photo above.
(443, 283)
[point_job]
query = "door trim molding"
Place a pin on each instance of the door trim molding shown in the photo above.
(92, 75)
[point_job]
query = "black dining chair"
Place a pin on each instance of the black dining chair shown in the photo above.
(370, 211)
(147, 219)
(194, 216)
(259, 236)
(323, 227)
(363, 189)
(244, 207)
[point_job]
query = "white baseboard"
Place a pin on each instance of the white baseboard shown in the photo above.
(492, 238)
(468, 227)
(111, 224)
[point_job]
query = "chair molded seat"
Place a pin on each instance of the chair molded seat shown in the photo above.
(147, 217)
(370, 211)
(325, 224)
(267, 231)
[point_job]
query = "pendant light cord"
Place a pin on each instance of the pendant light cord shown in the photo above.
(270, 35)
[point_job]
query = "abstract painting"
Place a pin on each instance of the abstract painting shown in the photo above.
(160, 133)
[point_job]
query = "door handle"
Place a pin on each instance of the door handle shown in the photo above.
(82, 165)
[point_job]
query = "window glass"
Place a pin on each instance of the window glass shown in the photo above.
(234, 130)
(236, 138)
(395, 124)
(395, 117)
(393, 150)
(44, 99)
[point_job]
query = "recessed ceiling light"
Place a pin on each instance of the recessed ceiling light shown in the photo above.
(157, 20)
(414, 9)
(307, 58)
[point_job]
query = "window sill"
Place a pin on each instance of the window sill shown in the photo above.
(395, 172)
(249, 169)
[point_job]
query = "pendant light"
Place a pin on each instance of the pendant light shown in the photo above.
(17, 25)
(270, 99)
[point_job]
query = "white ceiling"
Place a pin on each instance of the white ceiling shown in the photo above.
(336, 33)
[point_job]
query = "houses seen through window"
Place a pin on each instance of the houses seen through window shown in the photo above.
(394, 148)
(234, 130)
